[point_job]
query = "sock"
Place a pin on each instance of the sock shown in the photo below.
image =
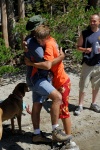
(55, 126)
(81, 105)
(37, 131)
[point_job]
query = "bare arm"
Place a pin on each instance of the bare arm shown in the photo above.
(60, 58)
(25, 46)
(80, 44)
(46, 65)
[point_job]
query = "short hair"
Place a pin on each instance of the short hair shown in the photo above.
(42, 32)
(95, 15)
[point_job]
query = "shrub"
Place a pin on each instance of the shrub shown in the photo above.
(5, 57)
(8, 70)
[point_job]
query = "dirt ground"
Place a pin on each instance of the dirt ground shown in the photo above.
(85, 127)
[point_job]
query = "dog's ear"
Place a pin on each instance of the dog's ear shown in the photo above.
(21, 88)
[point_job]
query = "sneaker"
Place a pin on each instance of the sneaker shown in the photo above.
(95, 107)
(70, 146)
(41, 138)
(78, 110)
(59, 136)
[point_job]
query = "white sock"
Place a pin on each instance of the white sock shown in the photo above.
(37, 131)
(81, 105)
(55, 126)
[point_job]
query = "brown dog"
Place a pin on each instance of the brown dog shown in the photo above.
(13, 106)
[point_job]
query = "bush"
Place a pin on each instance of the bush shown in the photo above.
(5, 57)
(7, 70)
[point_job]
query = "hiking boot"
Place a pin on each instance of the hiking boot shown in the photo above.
(41, 138)
(59, 136)
(95, 107)
(78, 110)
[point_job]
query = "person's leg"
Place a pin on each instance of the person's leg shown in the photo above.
(95, 81)
(64, 114)
(58, 134)
(67, 125)
(84, 82)
(38, 136)
(45, 89)
(64, 111)
(36, 109)
(56, 97)
(94, 95)
(81, 98)
(85, 79)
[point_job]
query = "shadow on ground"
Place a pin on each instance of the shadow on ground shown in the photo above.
(47, 105)
(9, 140)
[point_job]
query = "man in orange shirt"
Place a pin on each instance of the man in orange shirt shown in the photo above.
(60, 79)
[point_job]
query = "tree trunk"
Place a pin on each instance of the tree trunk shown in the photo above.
(4, 22)
(11, 20)
(21, 9)
(21, 14)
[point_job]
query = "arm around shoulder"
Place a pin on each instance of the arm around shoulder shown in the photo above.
(46, 65)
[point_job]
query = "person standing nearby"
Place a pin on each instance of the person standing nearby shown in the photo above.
(89, 45)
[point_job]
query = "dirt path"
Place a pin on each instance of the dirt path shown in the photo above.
(85, 128)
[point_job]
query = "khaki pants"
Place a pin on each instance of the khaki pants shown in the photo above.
(89, 74)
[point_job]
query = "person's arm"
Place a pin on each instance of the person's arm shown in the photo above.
(25, 47)
(80, 45)
(46, 65)
(59, 58)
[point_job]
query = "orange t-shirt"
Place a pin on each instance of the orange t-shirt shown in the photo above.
(51, 52)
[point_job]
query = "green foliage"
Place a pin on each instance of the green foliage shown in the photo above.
(77, 55)
(5, 53)
(20, 27)
(8, 69)
(5, 56)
